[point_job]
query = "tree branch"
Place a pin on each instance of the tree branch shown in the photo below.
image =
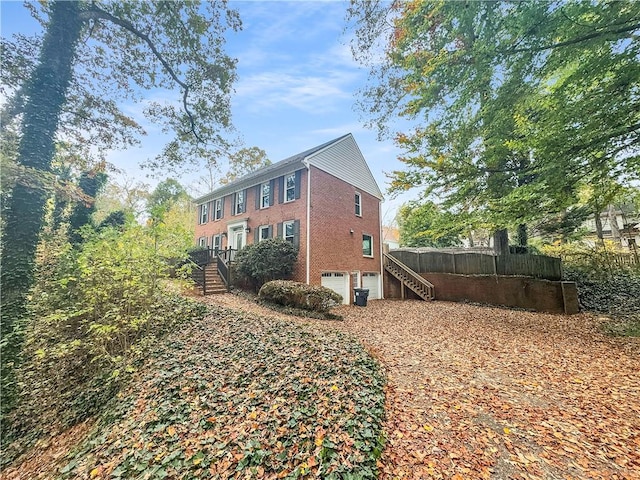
(94, 12)
(573, 41)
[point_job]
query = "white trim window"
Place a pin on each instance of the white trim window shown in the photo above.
(216, 242)
(202, 241)
(288, 231)
(238, 206)
(290, 188)
(264, 232)
(204, 213)
(367, 245)
(265, 195)
(217, 209)
(358, 201)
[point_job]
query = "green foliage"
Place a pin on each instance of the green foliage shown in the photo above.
(600, 260)
(127, 47)
(23, 212)
(605, 284)
(299, 295)
(244, 161)
(94, 310)
(171, 220)
(237, 395)
(616, 293)
(271, 259)
(511, 107)
(426, 225)
(116, 219)
(166, 194)
(90, 183)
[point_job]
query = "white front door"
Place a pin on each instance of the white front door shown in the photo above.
(237, 238)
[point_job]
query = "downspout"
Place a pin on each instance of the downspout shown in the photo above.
(381, 279)
(308, 263)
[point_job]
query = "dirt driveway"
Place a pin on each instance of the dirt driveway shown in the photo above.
(478, 392)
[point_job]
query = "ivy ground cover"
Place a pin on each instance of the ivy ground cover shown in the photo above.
(476, 392)
(241, 396)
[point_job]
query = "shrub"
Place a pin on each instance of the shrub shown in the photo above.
(271, 259)
(95, 310)
(615, 293)
(599, 261)
(299, 295)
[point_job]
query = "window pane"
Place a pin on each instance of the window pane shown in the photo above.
(366, 245)
(265, 195)
(288, 231)
(291, 188)
(239, 202)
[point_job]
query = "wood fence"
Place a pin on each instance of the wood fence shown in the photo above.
(537, 266)
(604, 260)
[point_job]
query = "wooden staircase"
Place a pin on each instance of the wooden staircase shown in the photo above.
(212, 282)
(408, 278)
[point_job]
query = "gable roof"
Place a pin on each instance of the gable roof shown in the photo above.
(343, 159)
(329, 157)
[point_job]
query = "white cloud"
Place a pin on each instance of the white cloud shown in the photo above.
(306, 92)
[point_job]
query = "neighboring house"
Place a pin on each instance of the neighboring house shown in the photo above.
(324, 200)
(626, 229)
(391, 237)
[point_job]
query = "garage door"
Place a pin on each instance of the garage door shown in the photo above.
(338, 282)
(370, 281)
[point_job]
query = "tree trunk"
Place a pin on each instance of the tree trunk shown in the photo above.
(613, 222)
(46, 93)
(501, 242)
(599, 227)
(523, 235)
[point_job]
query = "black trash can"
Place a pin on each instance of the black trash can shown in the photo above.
(361, 295)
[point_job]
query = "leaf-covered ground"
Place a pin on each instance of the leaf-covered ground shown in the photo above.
(473, 392)
(480, 392)
(240, 396)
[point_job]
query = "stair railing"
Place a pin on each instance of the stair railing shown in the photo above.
(224, 259)
(390, 262)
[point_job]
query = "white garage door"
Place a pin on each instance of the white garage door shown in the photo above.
(338, 282)
(370, 281)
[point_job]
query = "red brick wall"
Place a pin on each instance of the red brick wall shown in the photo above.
(333, 247)
(279, 212)
(521, 292)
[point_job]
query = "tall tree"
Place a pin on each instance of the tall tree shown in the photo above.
(165, 195)
(23, 216)
(127, 46)
(424, 224)
(513, 105)
(245, 160)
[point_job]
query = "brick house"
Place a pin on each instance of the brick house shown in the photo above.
(323, 200)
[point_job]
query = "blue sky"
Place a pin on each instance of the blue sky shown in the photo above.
(297, 86)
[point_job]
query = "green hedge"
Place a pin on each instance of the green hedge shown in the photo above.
(271, 259)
